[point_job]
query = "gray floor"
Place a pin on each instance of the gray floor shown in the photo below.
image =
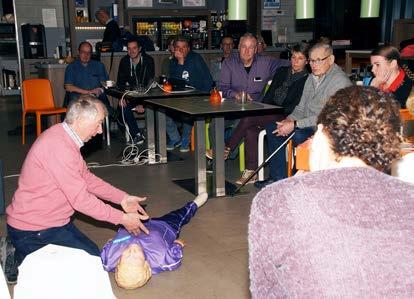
(215, 263)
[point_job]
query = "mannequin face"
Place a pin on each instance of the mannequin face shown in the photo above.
(133, 255)
(321, 156)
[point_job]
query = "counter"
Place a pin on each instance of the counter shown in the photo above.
(209, 56)
(55, 72)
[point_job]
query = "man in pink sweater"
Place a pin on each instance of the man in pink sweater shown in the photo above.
(55, 182)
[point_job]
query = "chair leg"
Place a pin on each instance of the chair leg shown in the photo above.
(260, 151)
(290, 158)
(192, 139)
(242, 165)
(38, 124)
(108, 132)
(23, 127)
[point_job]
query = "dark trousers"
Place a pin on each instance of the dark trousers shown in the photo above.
(278, 168)
(248, 129)
(176, 219)
(130, 119)
(26, 242)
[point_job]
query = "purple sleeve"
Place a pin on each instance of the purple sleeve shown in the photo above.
(276, 63)
(173, 257)
(114, 248)
(226, 80)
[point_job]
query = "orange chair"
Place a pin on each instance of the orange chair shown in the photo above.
(301, 156)
(405, 115)
(38, 99)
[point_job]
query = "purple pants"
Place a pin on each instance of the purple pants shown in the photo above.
(249, 129)
(176, 219)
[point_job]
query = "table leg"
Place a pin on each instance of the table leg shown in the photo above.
(218, 158)
(200, 156)
(348, 63)
(161, 135)
(150, 124)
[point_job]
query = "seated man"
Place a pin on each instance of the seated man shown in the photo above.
(136, 70)
(226, 46)
(325, 80)
(246, 71)
(189, 66)
(84, 76)
(135, 258)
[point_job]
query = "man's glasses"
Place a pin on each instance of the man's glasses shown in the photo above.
(318, 61)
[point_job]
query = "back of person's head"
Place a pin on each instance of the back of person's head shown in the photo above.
(84, 107)
(324, 40)
(132, 271)
(101, 12)
(363, 122)
(388, 52)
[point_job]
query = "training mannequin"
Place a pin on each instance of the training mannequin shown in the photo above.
(135, 258)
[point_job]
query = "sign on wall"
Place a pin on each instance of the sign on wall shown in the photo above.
(272, 4)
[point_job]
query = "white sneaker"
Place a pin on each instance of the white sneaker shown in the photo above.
(245, 175)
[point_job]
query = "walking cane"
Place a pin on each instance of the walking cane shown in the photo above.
(263, 164)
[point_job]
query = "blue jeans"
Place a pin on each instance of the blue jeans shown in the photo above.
(68, 235)
(174, 135)
(130, 119)
(176, 219)
(278, 168)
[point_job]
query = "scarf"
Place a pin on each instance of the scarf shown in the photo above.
(281, 91)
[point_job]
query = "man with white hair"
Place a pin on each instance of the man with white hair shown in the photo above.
(55, 182)
(326, 79)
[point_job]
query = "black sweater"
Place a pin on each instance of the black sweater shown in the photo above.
(294, 92)
(144, 72)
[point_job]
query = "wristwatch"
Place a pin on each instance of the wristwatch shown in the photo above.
(295, 124)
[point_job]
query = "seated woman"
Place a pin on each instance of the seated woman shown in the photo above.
(389, 76)
(285, 90)
(134, 258)
(345, 229)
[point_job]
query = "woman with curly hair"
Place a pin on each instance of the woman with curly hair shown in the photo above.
(346, 228)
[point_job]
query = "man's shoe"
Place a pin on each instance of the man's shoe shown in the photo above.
(209, 153)
(138, 139)
(244, 177)
(7, 260)
(261, 184)
(172, 145)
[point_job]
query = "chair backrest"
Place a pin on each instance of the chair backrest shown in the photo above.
(405, 115)
(37, 94)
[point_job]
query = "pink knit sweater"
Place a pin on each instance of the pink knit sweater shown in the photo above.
(54, 182)
(339, 233)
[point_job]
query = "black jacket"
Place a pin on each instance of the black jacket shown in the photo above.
(403, 91)
(144, 71)
(294, 92)
(112, 32)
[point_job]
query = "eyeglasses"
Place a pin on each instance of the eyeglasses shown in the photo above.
(85, 52)
(318, 61)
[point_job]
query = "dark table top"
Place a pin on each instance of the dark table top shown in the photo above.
(154, 93)
(201, 106)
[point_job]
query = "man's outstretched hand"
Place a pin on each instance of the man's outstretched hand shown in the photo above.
(132, 223)
(131, 204)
